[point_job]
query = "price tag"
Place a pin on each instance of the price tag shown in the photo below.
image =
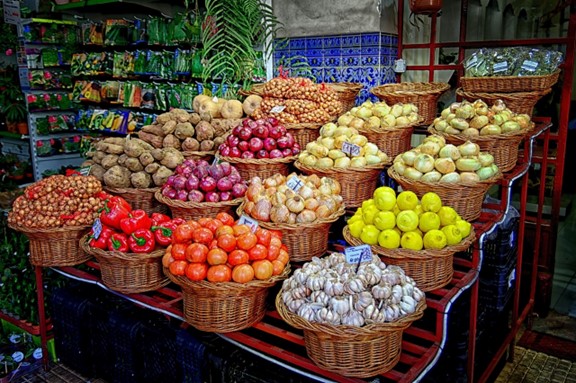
(97, 228)
(18, 356)
(277, 109)
(37, 354)
(529, 65)
(351, 149)
(15, 338)
(216, 161)
(245, 220)
(471, 62)
(294, 183)
(85, 171)
(215, 99)
(500, 67)
(358, 254)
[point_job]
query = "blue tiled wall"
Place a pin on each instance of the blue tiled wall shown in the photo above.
(365, 58)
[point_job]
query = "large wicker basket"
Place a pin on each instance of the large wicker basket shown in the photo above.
(194, 210)
(357, 184)
(55, 246)
(422, 94)
(198, 155)
(304, 240)
(140, 198)
(517, 102)
(225, 306)
(263, 168)
(304, 132)
(509, 83)
(391, 141)
(361, 352)
(129, 273)
(504, 147)
(465, 197)
(347, 93)
(430, 269)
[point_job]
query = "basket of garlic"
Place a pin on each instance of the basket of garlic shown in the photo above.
(496, 129)
(461, 175)
(345, 155)
(353, 316)
(301, 207)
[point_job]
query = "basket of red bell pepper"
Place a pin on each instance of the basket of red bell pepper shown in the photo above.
(128, 244)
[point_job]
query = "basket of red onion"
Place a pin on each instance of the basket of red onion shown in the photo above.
(260, 148)
(200, 189)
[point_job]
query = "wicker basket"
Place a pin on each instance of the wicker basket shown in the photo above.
(208, 156)
(140, 199)
(361, 352)
(304, 133)
(504, 147)
(357, 184)
(391, 141)
(509, 83)
(129, 273)
(57, 246)
(422, 94)
(225, 306)
(304, 240)
(465, 197)
(430, 269)
(194, 210)
(517, 102)
(263, 168)
(347, 93)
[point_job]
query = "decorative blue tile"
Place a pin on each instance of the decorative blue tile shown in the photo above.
(333, 52)
(351, 52)
(332, 42)
(281, 44)
(387, 51)
(315, 61)
(298, 44)
(387, 60)
(370, 39)
(331, 74)
(298, 52)
(369, 60)
(331, 61)
(314, 42)
(388, 76)
(350, 74)
(351, 41)
(351, 61)
(389, 40)
(371, 51)
(318, 74)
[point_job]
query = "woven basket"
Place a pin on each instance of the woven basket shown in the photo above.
(304, 240)
(361, 352)
(422, 94)
(304, 133)
(140, 199)
(357, 184)
(263, 168)
(129, 273)
(517, 102)
(191, 155)
(392, 141)
(509, 83)
(225, 306)
(57, 246)
(347, 93)
(194, 210)
(430, 269)
(504, 147)
(465, 197)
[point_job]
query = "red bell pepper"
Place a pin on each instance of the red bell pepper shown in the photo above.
(158, 218)
(118, 242)
(102, 241)
(141, 241)
(115, 209)
(137, 219)
(163, 233)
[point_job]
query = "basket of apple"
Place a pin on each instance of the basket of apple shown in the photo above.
(260, 148)
(420, 235)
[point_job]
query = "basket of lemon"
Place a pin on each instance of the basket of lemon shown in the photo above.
(419, 235)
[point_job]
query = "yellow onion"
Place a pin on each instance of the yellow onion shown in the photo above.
(465, 111)
(372, 159)
(478, 122)
(358, 139)
(444, 165)
(451, 130)
(485, 158)
(380, 109)
(399, 167)
(490, 130)
(471, 132)
(327, 142)
(325, 162)
(445, 113)
(430, 147)
(402, 121)
(468, 164)
(372, 123)
(423, 163)
(317, 149)
(412, 173)
(336, 153)
(358, 162)
(406, 109)
(383, 156)
(327, 130)
(409, 157)
(396, 110)
(469, 148)
(449, 151)
(440, 140)
(469, 177)
(485, 172)
(340, 140)
(453, 177)
(342, 131)
(343, 120)
(356, 123)
(498, 106)
(342, 162)
(388, 121)
(523, 119)
(371, 148)
(432, 176)
(307, 159)
(459, 123)
(510, 126)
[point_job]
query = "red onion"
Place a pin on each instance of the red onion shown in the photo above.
(283, 142)
(179, 182)
(170, 180)
(182, 195)
(235, 177)
(256, 144)
(192, 182)
(274, 132)
(234, 152)
(225, 196)
(168, 191)
(216, 171)
(282, 130)
(269, 143)
(295, 150)
(224, 150)
(247, 154)
(226, 168)
(232, 141)
(189, 162)
(202, 163)
(244, 146)
(238, 190)
(272, 120)
(277, 153)
(262, 154)
(212, 196)
(201, 171)
(251, 124)
(245, 134)
(207, 184)
(195, 196)
(261, 131)
(291, 139)
(237, 128)
(224, 184)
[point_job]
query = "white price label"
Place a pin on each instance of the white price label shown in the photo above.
(15, 338)
(216, 161)
(37, 354)
(85, 171)
(358, 254)
(277, 109)
(97, 228)
(500, 67)
(351, 149)
(294, 183)
(245, 220)
(529, 65)
(18, 356)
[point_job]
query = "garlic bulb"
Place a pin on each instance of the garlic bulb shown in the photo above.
(300, 276)
(353, 318)
(362, 300)
(300, 292)
(295, 304)
(315, 282)
(307, 312)
(353, 285)
(320, 297)
(325, 315)
(334, 287)
(396, 294)
(340, 305)
(381, 291)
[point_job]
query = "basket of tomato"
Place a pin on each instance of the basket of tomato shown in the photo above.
(225, 270)
(128, 245)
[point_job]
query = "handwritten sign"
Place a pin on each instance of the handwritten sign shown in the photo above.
(294, 183)
(358, 254)
(97, 228)
(351, 149)
(245, 220)
(278, 109)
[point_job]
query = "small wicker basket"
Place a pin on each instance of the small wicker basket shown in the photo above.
(194, 210)
(57, 246)
(357, 184)
(509, 83)
(140, 198)
(263, 168)
(304, 132)
(422, 94)
(430, 269)
(304, 240)
(504, 147)
(129, 273)
(347, 93)
(391, 141)
(465, 197)
(225, 306)
(361, 352)
(517, 102)
(191, 155)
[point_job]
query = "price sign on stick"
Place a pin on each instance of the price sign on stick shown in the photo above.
(358, 254)
(277, 109)
(351, 149)
(97, 228)
(294, 183)
(245, 220)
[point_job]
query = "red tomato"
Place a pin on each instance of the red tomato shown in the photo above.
(195, 225)
(242, 273)
(275, 241)
(263, 269)
(167, 259)
(225, 218)
(202, 235)
(183, 233)
(277, 267)
(246, 241)
(258, 252)
(178, 251)
(227, 242)
(273, 252)
(196, 252)
(238, 257)
(283, 257)
(197, 271)
(219, 273)
(213, 244)
(225, 229)
(217, 256)
(241, 229)
(178, 267)
(264, 236)
(203, 221)
(213, 225)
(276, 233)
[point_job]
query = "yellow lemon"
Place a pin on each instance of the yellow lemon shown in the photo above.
(389, 239)
(411, 240)
(431, 202)
(418, 209)
(407, 200)
(434, 239)
(384, 198)
(369, 235)
(428, 221)
(448, 215)
(385, 220)
(356, 228)
(465, 227)
(367, 203)
(453, 235)
(407, 220)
